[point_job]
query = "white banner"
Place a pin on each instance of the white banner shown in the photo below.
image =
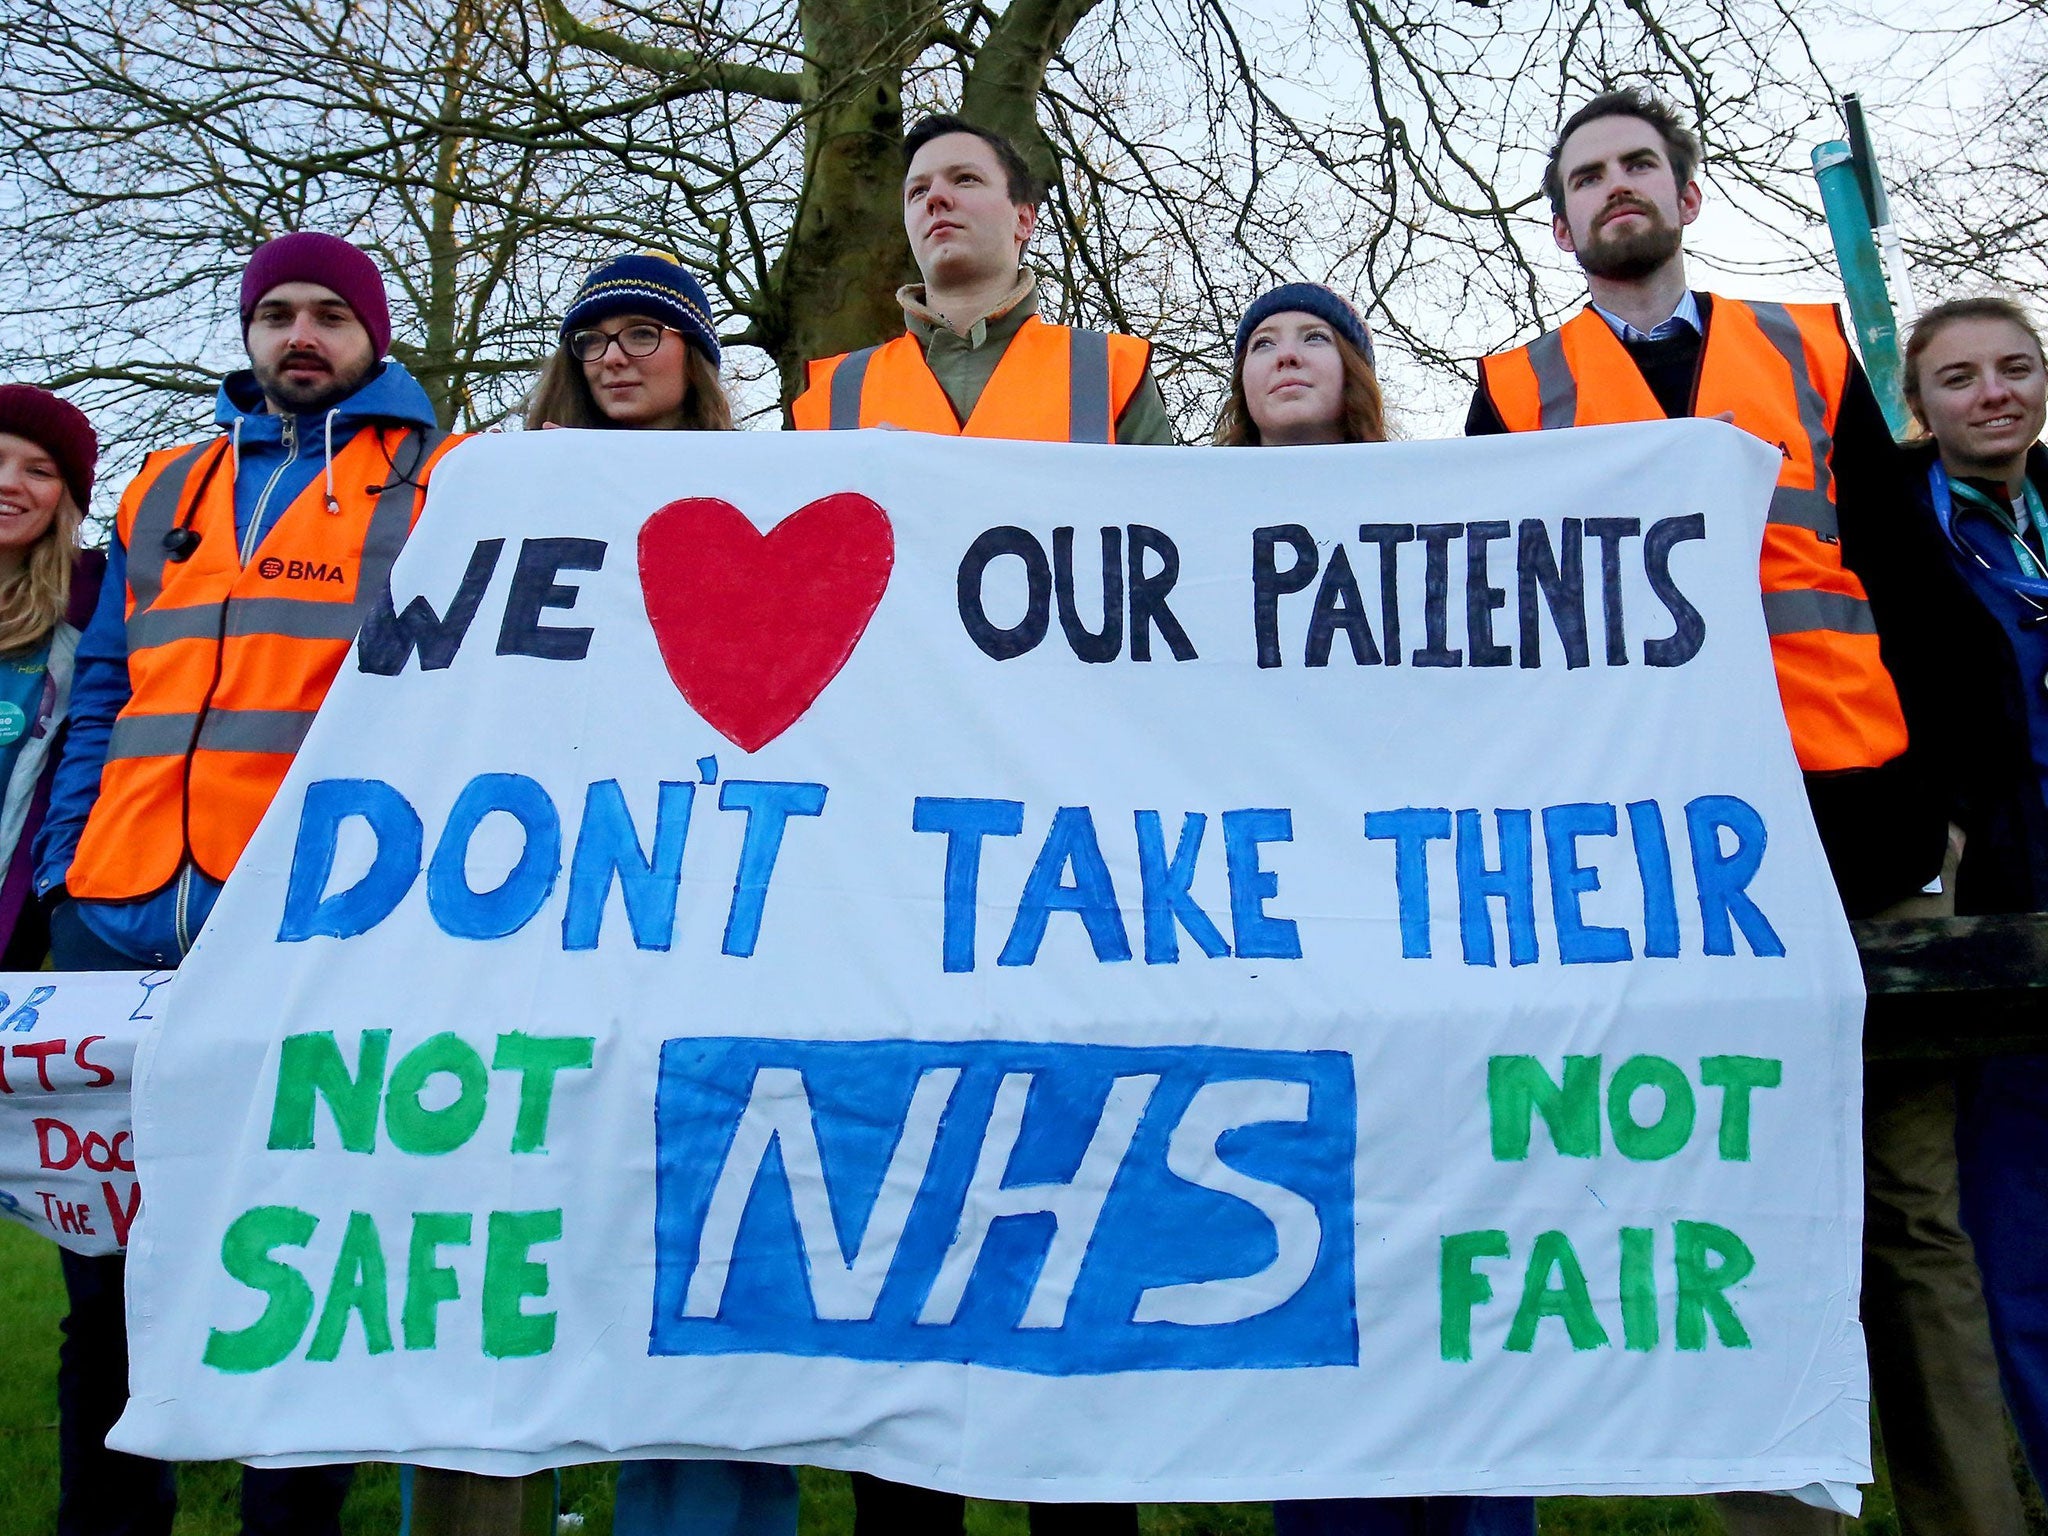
(67, 1046)
(1056, 972)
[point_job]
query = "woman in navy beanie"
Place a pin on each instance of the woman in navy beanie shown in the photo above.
(637, 350)
(1302, 373)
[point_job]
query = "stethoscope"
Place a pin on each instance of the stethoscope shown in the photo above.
(2031, 590)
(182, 541)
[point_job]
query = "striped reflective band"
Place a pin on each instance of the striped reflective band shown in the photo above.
(152, 736)
(1812, 509)
(1557, 392)
(224, 730)
(847, 380)
(254, 730)
(1088, 419)
(296, 618)
(157, 516)
(1805, 609)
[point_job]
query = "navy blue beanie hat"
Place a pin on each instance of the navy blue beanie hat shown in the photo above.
(646, 283)
(1312, 299)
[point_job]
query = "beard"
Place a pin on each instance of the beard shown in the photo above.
(306, 396)
(1633, 255)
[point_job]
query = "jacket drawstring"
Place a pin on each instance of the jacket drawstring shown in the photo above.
(235, 452)
(333, 506)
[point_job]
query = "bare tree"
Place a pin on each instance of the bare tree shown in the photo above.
(149, 148)
(1198, 150)
(1970, 183)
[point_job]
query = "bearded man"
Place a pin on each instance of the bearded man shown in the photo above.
(1848, 602)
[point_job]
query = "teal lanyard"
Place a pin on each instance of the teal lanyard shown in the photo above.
(2031, 563)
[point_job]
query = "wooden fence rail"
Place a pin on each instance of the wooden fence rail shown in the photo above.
(1950, 988)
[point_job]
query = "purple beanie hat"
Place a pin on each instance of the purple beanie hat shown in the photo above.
(310, 257)
(57, 427)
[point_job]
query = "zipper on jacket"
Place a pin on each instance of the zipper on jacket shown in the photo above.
(254, 536)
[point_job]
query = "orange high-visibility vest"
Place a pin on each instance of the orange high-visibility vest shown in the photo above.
(228, 662)
(1054, 384)
(1780, 370)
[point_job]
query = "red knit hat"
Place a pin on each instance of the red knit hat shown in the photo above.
(310, 257)
(57, 427)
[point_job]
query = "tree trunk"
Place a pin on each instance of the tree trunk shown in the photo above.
(834, 286)
(438, 363)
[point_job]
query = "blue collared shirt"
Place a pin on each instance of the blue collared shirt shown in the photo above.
(1684, 318)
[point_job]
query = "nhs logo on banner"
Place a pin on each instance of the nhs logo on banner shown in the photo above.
(1059, 1209)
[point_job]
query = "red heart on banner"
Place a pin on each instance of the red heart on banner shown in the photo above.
(752, 626)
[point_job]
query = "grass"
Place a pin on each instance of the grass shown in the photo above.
(32, 1302)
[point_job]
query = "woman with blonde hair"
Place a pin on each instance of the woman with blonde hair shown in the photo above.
(637, 351)
(47, 588)
(1976, 378)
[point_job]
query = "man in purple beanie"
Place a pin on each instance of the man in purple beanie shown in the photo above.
(237, 577)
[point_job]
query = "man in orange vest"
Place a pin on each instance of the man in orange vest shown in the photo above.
(1836, 550)
(977, 361)
(238, 574)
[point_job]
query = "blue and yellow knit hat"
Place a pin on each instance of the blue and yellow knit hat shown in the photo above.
(646, 283)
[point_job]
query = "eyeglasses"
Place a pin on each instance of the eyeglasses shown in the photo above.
(642, 340)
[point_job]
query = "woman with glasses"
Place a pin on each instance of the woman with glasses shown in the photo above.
(1975, 378)
(637, 351)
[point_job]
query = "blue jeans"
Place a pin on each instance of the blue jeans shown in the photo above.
(1445, 1515)
(2004, 1135)
(704, 1498)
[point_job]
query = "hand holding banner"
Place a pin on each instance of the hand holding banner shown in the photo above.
(1050, 972)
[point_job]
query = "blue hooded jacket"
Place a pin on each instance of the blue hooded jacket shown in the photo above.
(277, 457)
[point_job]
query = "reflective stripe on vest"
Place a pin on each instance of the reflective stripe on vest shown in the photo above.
(1778, 370)
(1555, 386)
(847, 380)
(1793, 506)
(226, 663)
(1803, 610)
(1095, 372)
(220, 730)
(1088, 414)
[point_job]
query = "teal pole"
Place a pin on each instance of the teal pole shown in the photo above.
(1870, 306)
